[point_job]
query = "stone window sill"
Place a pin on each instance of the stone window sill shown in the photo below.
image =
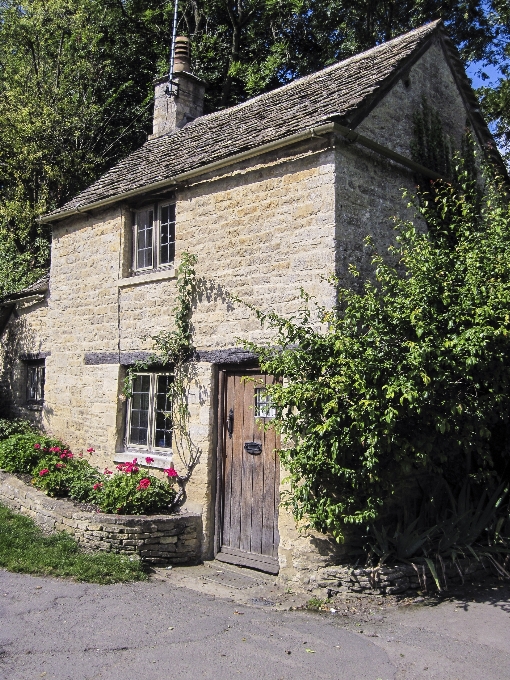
(151, 277)
(32, 406)
(160, 461)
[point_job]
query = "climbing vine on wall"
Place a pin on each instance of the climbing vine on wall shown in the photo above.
(174, 349)
(430, 146)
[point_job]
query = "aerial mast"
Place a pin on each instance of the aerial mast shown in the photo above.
(171, 90)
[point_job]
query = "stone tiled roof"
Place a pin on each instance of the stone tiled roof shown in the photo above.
(337, 90)
(40, 286)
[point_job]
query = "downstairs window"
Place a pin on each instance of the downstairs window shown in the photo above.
(149, 422)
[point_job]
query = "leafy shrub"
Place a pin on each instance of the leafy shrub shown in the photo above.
(61, 474)
(22, 452)
(406, 376)
(135, 493)
(9, 427)
(470, 526)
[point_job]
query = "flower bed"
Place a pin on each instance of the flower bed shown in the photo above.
(59, 473)
(156, 539)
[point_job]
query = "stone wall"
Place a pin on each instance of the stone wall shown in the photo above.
(26, 336)
(156, 539)
(393, 579)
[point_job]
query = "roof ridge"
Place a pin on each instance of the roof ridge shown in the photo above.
(425, 29)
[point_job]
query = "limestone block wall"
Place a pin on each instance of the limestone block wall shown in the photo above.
(156, 539)
(260, 231)
(393, 579)
(27, 335)
(369, 187)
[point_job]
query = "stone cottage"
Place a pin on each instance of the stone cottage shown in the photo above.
(272, 195)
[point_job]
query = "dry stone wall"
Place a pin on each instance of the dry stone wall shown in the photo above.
(393, 579)
(156, 539)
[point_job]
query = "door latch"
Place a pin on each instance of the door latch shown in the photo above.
(230, 423)
(253, 447)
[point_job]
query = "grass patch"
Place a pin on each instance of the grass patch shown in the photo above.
(26, 550)
(315, 604)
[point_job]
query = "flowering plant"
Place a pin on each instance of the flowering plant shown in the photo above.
(22, 452)
(136, 494)
(58, 472)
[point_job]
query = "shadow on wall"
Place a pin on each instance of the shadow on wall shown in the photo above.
(208, 290)
(18, 340)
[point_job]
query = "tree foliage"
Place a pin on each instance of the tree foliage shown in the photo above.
(76, 81)
(495, 99)
(412, 375)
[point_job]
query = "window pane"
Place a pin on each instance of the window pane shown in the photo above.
(263, 407)
(139, 405)
(163, 434)
(35, 383)
(167, 235)
(144, 238)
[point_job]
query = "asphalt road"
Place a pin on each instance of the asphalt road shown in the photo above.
(60, 630)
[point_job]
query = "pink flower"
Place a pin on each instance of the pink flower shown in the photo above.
(91, 450)
(63, 455)
(107, 472)
(97, 486)
(171, 472)
(149, 460)
(59, 465)
(43, 472)
(144, 484)
(37, 446)
(128, 468)
(55, 449)
(70, 455)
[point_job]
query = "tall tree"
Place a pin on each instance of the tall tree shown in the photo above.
(496, 100)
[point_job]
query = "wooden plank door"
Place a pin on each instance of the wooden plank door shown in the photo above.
(249, 473)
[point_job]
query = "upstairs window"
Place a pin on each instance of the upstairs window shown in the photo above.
(149, 424)
(35, 382)
(154, 237)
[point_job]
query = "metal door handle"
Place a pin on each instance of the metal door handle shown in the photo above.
(230, 423)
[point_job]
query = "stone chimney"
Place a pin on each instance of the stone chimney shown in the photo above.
(174, 111)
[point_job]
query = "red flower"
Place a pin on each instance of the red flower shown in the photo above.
(97, 486)
(107, 472)
(149, 460)
(144, 484)
(128, 468)
(43, 472)
(91, 450)
(59, 465)
(171, 472)
(37, 446)
(63, 455)
(70, 455)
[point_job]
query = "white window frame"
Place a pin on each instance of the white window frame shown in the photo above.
(263, 405)
(156, 237)
(150, 446)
